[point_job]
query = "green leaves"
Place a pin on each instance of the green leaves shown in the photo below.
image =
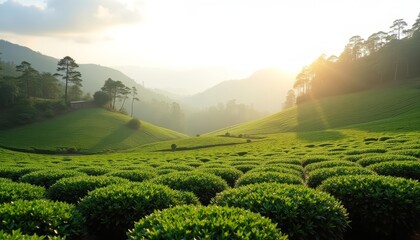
(203, 185)
(48, 177)
(41, 217)
(300, 212)
(12, 191)
(72, 189)
(230, 175)
(211, 222)
(316, 177)
(275, 177)
(379, 206)
(406, 169)
(111, 210)
(134, 175)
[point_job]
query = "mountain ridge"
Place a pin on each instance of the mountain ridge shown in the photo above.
(265, 90)
(93, 75)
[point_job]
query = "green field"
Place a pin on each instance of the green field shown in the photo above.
(90, 130)
(366, 144)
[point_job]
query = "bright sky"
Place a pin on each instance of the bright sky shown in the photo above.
(237, 35)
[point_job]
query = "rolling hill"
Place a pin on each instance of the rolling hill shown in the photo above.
(390, 108)
(265, 90)
(90, 130)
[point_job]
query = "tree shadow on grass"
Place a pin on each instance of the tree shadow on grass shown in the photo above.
(112, 140)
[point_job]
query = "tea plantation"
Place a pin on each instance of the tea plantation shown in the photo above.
(349, 180)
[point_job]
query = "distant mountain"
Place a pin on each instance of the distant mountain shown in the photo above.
(93, 75)
(179, 81)
(265, 90)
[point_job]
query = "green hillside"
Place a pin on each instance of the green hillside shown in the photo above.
(90, 130)
(391, 108)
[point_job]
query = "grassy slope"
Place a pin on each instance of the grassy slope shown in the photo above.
(91, 130)
(392, 108)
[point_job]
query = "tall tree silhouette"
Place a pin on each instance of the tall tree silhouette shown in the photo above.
(67, 70)
(397, 28)
(27, 73)
(125, 91)
(1, 68)
(133, 98)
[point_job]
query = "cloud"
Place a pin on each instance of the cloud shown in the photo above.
(66, 16)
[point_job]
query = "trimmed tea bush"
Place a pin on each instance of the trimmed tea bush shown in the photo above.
(278, 169)
(230, 175)
(111, 210)
(282, 161)
(316, 177)
(71, 190)
(17, 235)
(5, 180)
(329, 164)
(409, 152)
(41, 217)
(134, 175)
(15, 173)
(203, 185)
(366, 161)
(48, 177)
(289, 166)
(405, 169)
(379, 207)
(366, 150)
(259, 177)
(300, 212)
(314, 159)
(93, 171)
(12, 191)
(214, 165)
(245, 167)
(211, 222)
(175, 167)
(237, 162)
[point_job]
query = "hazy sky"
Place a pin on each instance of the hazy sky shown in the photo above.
(239, 36)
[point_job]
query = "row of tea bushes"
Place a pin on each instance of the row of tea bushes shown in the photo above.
(111, 210)
(211, 222)
(379, 207)
(317, 176)
(42, 217)
(44, 176)
(205, 186)
(71, 190)
(12, 191)
(405, 169)
(300, 212)
(389, 205)
(18, 235)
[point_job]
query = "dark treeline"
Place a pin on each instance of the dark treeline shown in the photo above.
(27, 95)
(382, 58)
(220, 116)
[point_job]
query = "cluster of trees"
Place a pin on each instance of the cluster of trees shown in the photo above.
(113, 91)
(26, 94)
(26, 82)
(382, 58)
